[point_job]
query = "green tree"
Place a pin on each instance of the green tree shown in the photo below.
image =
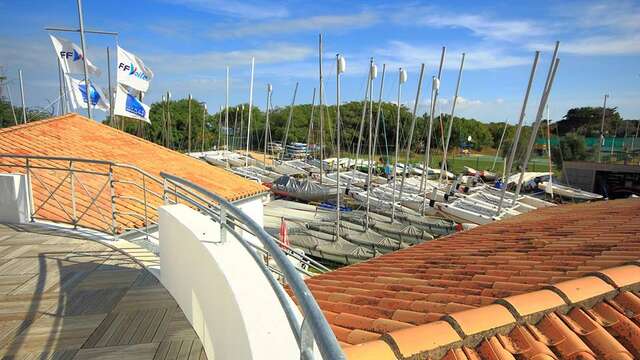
(571, 147)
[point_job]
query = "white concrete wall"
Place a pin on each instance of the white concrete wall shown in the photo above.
(14, 199)
(221, 290)
(254, 208)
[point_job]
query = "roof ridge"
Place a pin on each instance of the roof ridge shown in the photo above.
(466, 328)
(38, 122)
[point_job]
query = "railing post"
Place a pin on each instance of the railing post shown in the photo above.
(165, 189)
(73, 196)
(30, 191)
(113, 203)
(144, 196)
(223, 222)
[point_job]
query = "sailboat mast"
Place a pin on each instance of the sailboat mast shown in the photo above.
(246, 159)
(504, 131)
(310, 130)
(413, 125)
(549, 151)
(286, 133)
(364, 112)
(321, 102)
(340, 68)
(266, 126)
(516, 139)
(24, 107)
(373, 73)
(435, 90)
(204, 120)
(402, 78)
(536, 126)
(375, 135)
(226, 108)
(189, 125)
(87, 83)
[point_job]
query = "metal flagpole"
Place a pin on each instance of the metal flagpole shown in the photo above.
(204, 118)
(340, 68)
(320, 102)
(246, 159)
(87, 84)
(226, 108)
(504, 131)
(266, 125)
(435, 90)
(516, 139)
(24, 107)
(110, 90)
(61, 91)
(189, 126)
(402, 77)
(604, 111)
(286, 132)
(538, 119)
(413, 125)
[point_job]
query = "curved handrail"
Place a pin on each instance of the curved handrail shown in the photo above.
(322, 333)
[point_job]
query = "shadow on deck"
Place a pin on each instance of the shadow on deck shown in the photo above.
(69, 297)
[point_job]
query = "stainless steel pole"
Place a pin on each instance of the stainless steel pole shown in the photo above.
(84, 59)
(110, 90)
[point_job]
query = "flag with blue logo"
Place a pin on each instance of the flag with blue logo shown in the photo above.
(78, 95)
(128, 105)
(132, 72)
(71, 56)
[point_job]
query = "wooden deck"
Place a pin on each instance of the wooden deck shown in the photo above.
(74, 298)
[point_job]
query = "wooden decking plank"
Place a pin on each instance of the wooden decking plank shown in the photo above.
(185, 350)
(128, 352)
(99, 332)
(196, 349)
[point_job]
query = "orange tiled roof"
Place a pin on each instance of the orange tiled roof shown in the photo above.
(73, 135)
(518, 288)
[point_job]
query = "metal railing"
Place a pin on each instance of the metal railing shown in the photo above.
(314, 327)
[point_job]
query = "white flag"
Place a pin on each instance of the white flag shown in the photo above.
(70, 56)
(129, 106)
(78, 95)
(132, 71)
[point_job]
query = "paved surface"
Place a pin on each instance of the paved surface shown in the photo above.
(74, 298)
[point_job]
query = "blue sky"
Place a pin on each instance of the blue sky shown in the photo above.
(188, 43)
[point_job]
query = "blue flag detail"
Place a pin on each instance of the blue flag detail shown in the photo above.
(95, 96)
(134, 106)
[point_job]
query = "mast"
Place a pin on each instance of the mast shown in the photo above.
(164, 121)
(286, 133)
(87, 84)
(219, 126)
(549, 151)
(110, 90)
(402, 78)
(435, 90)
(266, 125)
(450, 123)
(364, 112)
(413, 125)
(246, 159)
(321, 102)
(226, 108)
(504, 131)
(340, 68)
(516, 139)
(313, 105)
(373, 73)
(169, 130)
(13, 109)
(375, 135)
(604, 111)
(189, 126)
(24, 107)
(536, 126)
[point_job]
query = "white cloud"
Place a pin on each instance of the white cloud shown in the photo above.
(598, 45)
(313, 23)
(236, 9)
(398, 53)
(484, 26)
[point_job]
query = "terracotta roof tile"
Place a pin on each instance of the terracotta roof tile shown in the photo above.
(555, 283)
(73, 135)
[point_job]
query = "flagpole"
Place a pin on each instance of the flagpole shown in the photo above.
(110, 90)
(226, 111)
(87, 84)
(246, 160)
(60, 80)
(189, 126)
(24, 107)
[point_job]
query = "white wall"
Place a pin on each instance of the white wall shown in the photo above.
(254, 208)
(221, 290)
(14, 199)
